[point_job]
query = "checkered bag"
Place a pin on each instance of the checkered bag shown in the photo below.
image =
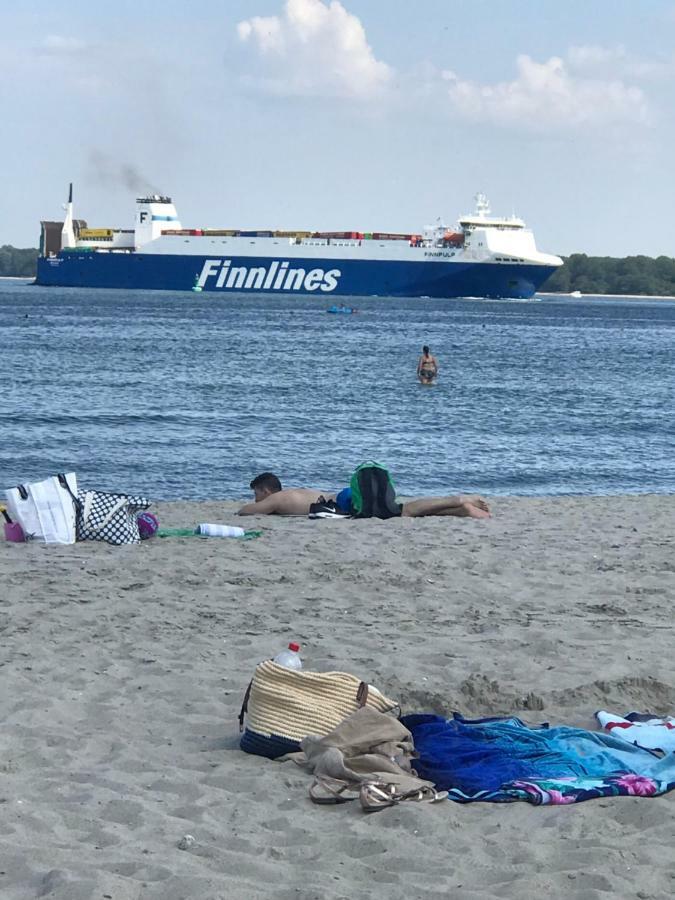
(109, 517)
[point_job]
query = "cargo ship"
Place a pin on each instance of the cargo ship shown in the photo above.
(482, 256)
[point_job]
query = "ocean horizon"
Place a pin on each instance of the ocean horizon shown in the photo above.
(189, 396)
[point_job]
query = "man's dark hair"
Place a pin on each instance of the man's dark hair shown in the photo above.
(266, 480)
(425, 349)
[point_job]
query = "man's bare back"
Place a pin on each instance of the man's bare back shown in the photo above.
(291, 502)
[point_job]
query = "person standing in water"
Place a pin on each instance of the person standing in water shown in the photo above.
(427, 367)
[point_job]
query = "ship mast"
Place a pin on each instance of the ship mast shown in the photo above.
(482, 206)
(68, 232)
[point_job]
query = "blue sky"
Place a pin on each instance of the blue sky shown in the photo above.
(359, 114)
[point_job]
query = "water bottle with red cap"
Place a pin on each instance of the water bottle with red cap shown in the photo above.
(290, 658)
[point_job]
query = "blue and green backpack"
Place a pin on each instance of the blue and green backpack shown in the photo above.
(373, 493)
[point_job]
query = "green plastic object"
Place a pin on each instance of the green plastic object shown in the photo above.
(176, 532)
(190, 532)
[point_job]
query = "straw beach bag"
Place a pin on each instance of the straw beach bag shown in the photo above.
(283, 706)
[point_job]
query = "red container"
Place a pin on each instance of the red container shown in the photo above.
(339, 235)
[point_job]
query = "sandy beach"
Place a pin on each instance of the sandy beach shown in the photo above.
(124, 669)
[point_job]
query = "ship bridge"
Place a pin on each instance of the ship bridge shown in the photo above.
(481, 218)
(501, 240)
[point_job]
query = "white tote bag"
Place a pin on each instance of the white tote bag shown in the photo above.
(46, 509)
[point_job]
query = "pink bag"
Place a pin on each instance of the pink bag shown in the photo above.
(14, 532)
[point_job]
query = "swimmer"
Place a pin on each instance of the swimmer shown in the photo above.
(427, 367)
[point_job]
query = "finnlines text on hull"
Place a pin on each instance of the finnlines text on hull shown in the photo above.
(278, 277)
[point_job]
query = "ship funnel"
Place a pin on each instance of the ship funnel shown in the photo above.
(154, 214)
(68, 232)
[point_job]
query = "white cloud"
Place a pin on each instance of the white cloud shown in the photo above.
(616, 62)
(315, 48)
(58, 44)
(548, 95)
(593, 56)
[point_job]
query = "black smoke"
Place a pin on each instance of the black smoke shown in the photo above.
(108, 171)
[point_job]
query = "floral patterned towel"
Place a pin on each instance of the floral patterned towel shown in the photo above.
(503, 759)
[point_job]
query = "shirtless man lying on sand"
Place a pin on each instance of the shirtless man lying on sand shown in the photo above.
(272, 500)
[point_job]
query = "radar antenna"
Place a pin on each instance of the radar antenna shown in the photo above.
(482, 205)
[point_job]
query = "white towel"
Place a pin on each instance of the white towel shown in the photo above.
(648, 733)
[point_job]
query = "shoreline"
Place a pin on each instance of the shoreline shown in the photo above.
(608, 296)
(125, 669)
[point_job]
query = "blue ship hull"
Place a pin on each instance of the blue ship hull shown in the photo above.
(356, 278)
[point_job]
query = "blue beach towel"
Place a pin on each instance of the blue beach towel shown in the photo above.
(503, 759)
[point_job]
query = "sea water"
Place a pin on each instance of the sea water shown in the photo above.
(184, 395)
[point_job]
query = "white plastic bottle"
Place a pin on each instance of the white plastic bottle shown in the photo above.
(219, 530)
(289, 658)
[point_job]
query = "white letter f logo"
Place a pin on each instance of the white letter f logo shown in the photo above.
(209, 268)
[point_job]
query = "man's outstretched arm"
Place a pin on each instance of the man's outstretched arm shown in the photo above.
(266, 507)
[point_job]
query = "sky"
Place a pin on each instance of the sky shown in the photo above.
(352, 115)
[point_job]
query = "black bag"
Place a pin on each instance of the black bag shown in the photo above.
(109, 517)
(373, 493)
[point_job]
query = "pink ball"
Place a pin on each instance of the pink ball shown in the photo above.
(147, 525)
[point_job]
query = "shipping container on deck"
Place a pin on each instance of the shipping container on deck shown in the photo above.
(86, 233)
(339, 235)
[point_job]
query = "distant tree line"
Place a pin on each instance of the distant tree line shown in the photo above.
(17, 261)
(588, 274)
(607, 275)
